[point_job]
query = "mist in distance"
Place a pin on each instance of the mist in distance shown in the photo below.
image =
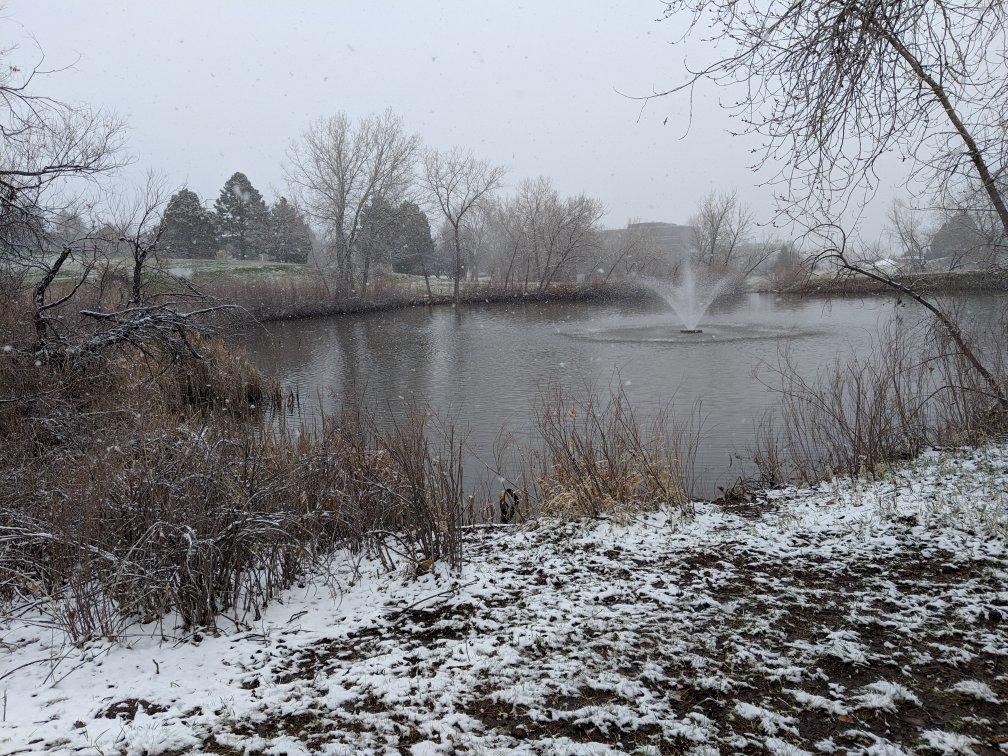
(209, 89)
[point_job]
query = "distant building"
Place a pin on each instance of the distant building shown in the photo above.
(672, 238)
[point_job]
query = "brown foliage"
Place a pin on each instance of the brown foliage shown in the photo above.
(137, 486)
(859, 416)
(596, 457)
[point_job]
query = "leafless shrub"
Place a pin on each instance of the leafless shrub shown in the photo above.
(429, 499)
(282, 299)
(149, 485)
(962, 407)
(860, 415)
(596, 457)
(212, 520)
(787, 278)
(767, 455)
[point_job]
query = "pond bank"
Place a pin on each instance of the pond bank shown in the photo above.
(954, 282)
(854, 616)
(285, 300)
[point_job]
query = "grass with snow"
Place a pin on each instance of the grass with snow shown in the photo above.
(855, 617)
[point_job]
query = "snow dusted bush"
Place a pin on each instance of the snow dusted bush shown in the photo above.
(207, 518)
(144, 486)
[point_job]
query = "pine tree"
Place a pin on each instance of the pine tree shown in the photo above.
(242, 218)
(416, 246)
(378, 235)
(289, 236)
(958, 240)
(188, 227)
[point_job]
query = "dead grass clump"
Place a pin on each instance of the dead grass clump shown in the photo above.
(223, 379)
(283, 299)
(597, 458)
(312, 296)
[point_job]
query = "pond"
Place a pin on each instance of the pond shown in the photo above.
(484, 365)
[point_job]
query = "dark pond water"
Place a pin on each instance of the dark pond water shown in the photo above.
(485, 364)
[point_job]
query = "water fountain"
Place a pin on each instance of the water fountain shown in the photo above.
(690, 297)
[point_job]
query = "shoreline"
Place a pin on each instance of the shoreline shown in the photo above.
(725, 630)
(962, 282)
(397, 300)
(972, 283)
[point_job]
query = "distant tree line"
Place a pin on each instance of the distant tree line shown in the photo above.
(240, 223)
(371, 190)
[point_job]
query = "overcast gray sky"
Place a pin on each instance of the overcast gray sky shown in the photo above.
(209, 88)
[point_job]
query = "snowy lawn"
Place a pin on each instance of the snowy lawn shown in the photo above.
(857, 617)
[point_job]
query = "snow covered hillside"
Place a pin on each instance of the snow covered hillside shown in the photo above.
(856, 617)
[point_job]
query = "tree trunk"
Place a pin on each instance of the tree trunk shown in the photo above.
(426, 278)
(953, 330)
(976, 157)
(38, 298)
(348, 276)
(507, 274)
(458, 264)
(365, 272)
(139, 257)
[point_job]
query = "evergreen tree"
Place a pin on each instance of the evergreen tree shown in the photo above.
(399, 237)
(958, 240)
(188, 227)
(242, 218)
(787, 257)
(378, 235)
(289, 236)
(415, 245)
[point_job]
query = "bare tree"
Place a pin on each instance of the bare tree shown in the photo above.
(569, 237)
(457, 182)
(720, 226)
(543, 237)
(912, 238)
(504, 241)
(136, 226)
(56, 243)
(626, 252)
(340, 168)
(53, 154)
(49, 149)
(832, 87)
(477, 240)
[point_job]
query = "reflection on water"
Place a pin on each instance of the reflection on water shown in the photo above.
(484, 365)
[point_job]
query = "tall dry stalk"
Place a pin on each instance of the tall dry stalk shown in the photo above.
(596, 457)
(861, 415)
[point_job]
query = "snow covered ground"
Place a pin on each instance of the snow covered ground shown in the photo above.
(856, 617)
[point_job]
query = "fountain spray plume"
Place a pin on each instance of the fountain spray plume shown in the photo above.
(690, 297)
